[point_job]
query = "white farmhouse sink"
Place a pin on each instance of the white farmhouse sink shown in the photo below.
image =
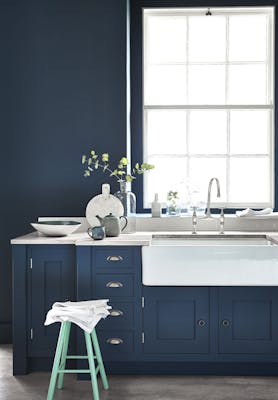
(210, 260)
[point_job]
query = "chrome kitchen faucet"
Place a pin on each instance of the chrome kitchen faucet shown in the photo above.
(208, 213)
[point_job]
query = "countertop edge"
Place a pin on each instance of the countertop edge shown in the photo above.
(131, 239)
(82, 239)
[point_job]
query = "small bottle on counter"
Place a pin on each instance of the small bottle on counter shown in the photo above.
(156, 207)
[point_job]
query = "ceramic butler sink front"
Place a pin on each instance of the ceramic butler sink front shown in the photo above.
(210, 260)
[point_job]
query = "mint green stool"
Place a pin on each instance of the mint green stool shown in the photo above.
(61, 357)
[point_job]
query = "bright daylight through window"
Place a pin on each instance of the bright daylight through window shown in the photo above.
(208, 103)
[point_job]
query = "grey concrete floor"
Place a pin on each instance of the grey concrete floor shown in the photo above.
(34, 386)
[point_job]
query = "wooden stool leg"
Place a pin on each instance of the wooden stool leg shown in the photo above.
(64, 355)
(56, 362)
(99, 360)
(92, 365)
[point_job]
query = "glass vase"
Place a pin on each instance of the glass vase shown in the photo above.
(173, 207)
(127, 198)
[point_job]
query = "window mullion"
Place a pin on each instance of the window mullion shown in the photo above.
(186, 57)
(228, 165)
(226, 62)
(227, 68)
(188, 145)
(208, 107)
(187, 98)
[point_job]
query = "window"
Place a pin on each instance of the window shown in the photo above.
(208, 103)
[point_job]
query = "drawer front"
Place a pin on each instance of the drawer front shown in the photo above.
(121, 316)
(115, 344)
(114, 258)
(113, 285)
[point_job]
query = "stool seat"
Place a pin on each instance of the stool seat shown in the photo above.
(93, 356)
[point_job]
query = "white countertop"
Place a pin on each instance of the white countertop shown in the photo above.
(82, 239)
(131, 239)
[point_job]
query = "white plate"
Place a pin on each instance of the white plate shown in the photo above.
(102, 205)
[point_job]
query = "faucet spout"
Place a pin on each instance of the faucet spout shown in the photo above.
(208, 213)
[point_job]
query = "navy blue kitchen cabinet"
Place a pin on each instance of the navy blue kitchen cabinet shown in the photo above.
(176, 320)
(218, 330)
(114, 273)
(248, 320)
(45, 274)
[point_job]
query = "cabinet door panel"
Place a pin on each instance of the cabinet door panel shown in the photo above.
(176, 320)
(51, 280)
(248, 320)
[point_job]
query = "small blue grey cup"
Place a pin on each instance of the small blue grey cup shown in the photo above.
(97, 232)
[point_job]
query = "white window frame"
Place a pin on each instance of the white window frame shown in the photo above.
(223, 11)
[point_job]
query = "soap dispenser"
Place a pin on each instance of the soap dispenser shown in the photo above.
(156, 207)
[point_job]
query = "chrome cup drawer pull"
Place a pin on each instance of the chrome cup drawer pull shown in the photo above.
(116, 313)
(114, 341)
(114, 284)
(114, 258)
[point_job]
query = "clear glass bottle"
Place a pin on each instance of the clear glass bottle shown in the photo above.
(127, 198)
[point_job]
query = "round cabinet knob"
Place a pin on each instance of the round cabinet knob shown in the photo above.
(201, 323)
(114, 341)
(116, 313)
(226, 322)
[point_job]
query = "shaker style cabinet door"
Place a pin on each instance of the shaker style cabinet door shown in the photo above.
(51, 279)
(176, 320)
(248, 320)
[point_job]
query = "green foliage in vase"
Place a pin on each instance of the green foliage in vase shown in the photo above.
(172, 198)
(171, 195)
(95, 162)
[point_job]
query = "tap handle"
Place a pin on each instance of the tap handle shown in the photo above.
(221, 221)
(194, 215)
(194, 220)
(222, 214)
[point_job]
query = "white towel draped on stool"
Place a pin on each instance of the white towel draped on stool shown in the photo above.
(85, 314)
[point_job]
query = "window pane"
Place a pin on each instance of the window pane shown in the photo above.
(196, 67)
(166, 132)
(249, 132)
(208, 132)
(203, 169)
(247, 84)
(206, 84)
(249, 180)
(247, 38)
(169, 174)
(166, 40)
(165, 85)
(207, 38)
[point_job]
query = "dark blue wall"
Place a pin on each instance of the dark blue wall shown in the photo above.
(62, 91)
